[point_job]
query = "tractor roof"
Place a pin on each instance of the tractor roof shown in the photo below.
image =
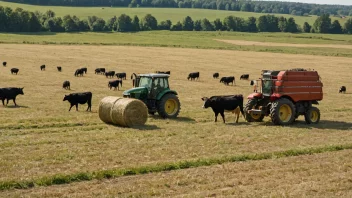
(155, 75)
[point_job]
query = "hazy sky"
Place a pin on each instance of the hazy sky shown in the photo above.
(342, 2)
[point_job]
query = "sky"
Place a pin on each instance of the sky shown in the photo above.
(341, 2)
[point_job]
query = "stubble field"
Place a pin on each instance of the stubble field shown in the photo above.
(41, 139)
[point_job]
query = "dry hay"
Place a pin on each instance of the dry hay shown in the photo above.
(125, 112)
(129, 112)
(105, 107)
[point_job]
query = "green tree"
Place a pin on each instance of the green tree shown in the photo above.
(218, 24)
(124, 23)
(348, 26)
(197, 25)
(135, 23)
(177, 27)
(34, 23)
(165, 25)
(291, 25)
(69, 24)
(206, 25)
(98, 25)
(306, 27)
(187, 24)
(251, 24)
(322, 24)
(111, 23)
(149, 23)
(283, 24)
(336, 27)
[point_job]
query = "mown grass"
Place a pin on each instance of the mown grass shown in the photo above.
(199, 40)
(113, 173)
(173, 14)
(69, 143)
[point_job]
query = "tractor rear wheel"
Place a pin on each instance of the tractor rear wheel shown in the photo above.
(312, 116)
(252, 117)
(282, 112)
(169, 106)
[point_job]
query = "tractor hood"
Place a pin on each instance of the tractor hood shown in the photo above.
(135, 92)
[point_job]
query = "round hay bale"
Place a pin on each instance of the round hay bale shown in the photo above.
(105, 107)
(129, 112)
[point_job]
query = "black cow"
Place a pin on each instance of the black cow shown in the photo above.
(4, 64)
(42, 67)
(227, 80)
(121, 75)
(115, 83)
(244, 77)
(216, 75)
(163, 72)
(59, 68)
(79, 98)
(220, 104)
(342, 89)
(79, 72)
(110, 74)
(14, 71)
(100, 71)
(66, 85)
(10, 93)
(193, 76)
(84, 69)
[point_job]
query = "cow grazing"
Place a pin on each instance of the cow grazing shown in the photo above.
(342, 89)
(10, 93)
(66, 85)
(79, 98)
(42, 67)
(84, 69)
(79, 72)
(115, 83)
(59, 68)
(121, 75)
(110, 74)
(244, 77)
(228, 80)
(216, 75)
(4, 64)
(100, 71)
(220, 104)
(193, 76)
(163, 72)
(14, 71)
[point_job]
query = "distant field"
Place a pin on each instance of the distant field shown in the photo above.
(204, 40)
(173, 14)
(41, 139)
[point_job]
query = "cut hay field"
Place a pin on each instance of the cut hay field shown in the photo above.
(41, 143)
(173, 14)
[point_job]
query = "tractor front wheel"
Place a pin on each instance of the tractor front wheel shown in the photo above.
(252, 117)
(312, 116)
(282, 112)
(169, 106)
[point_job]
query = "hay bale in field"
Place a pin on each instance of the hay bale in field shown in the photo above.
(125, 112)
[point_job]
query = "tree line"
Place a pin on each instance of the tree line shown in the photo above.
(300, 9)
(20, 20)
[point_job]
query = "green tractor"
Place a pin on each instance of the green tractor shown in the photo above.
(154, 91)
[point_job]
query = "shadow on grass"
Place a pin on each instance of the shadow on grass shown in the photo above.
(323, 124)
(178, 119)
(15, 107)
(31, 33)
(243, 123)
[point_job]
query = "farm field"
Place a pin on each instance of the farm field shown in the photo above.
(173, 14)
(337, 45)
(41, 139)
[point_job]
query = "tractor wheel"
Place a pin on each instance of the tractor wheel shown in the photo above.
(312, 116)
(169, 106)
(252, 117)
(282, 112)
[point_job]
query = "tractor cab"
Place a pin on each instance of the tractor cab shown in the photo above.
(154, 91)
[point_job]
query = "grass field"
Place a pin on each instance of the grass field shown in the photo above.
(42, 140)
(173, 14)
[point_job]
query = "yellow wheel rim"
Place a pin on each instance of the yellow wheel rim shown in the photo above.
(255, 116)
(171, 106)
(314, 116)
(285, 113)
